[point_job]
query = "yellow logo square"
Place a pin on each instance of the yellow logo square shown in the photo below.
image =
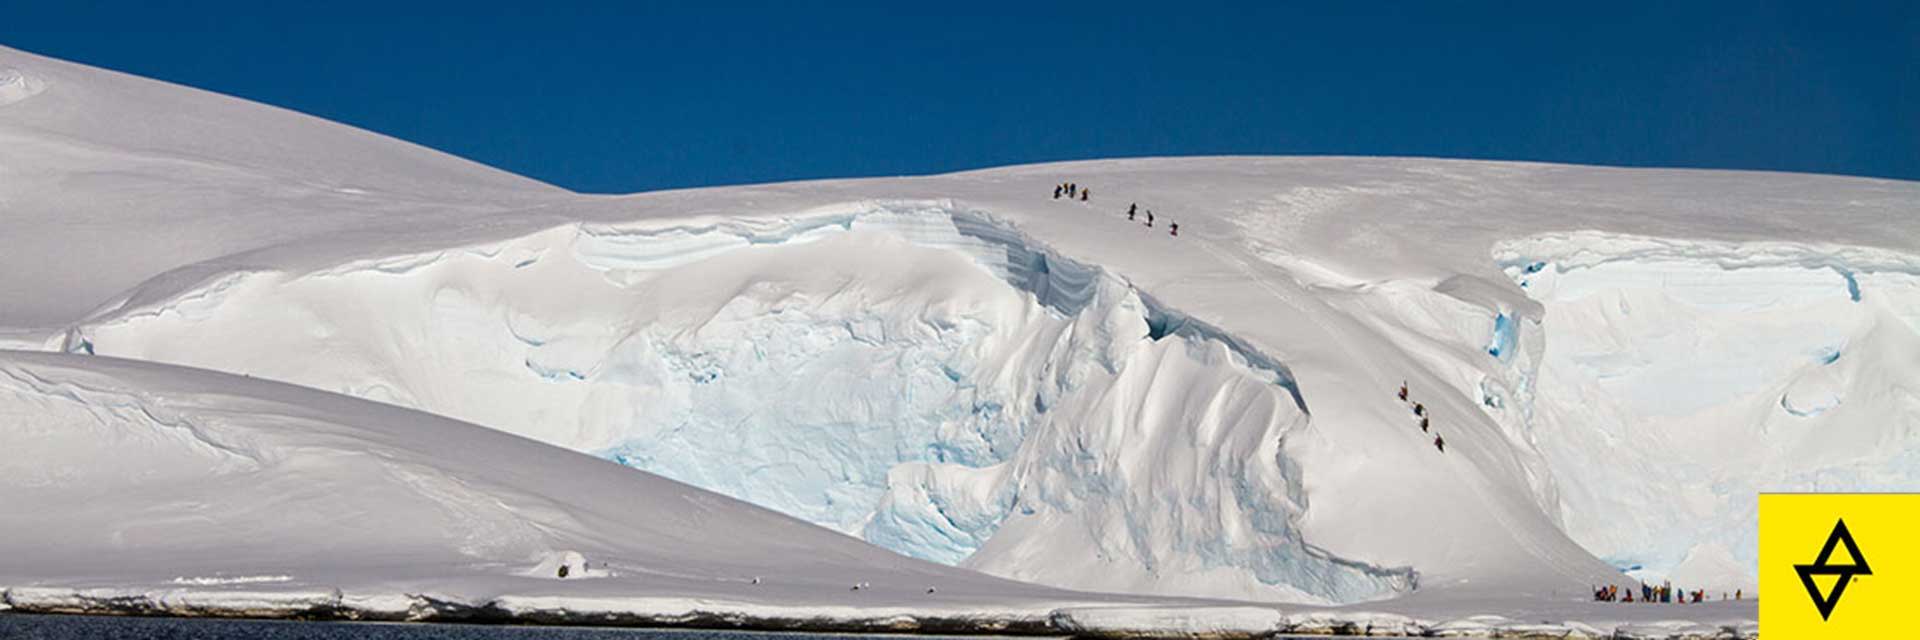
(1839, 565)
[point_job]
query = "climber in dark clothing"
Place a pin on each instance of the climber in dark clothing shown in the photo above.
(1419, 409)
(1132, 208)
(1403, 392)
(1084, 193)
(1175, 227)
(1056, 192)
(1423, 424)
(1149, 217)
(1440, 443)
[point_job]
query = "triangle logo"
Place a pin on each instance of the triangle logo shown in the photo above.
(1821, 567)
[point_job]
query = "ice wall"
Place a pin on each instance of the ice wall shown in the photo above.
(1679, 379)
(915, 373)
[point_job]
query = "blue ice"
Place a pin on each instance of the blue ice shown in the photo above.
(1504, 337)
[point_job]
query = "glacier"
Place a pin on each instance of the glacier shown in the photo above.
(911, 382)
(918, 395)
(1751, 350)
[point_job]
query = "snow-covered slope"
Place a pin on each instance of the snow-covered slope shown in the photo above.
(131, 177)
(238, 493)
(963, 369)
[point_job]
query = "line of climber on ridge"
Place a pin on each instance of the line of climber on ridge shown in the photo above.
(1073, 191)
(1420, 411)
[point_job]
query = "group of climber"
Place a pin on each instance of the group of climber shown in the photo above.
(1420, 411)
(1133, 210)
(1662, 594)
(1071, 190)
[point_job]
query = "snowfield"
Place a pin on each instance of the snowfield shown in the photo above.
(309, 370)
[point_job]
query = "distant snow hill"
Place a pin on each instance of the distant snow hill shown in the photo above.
(961, 368)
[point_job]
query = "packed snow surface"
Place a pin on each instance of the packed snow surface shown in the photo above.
(961, 368)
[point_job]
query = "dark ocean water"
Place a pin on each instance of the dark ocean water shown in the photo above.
(65, 627)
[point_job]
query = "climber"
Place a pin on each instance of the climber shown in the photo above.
(1439, 443)
(1149, 217)
(1132, 208)
(1403, 391)
(563, 571)
(1175, 228)
(1056, 192)
(1084, 193)
(1419, 409)
(1423, 424)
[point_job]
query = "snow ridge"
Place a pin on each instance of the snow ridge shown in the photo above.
(1586, 249)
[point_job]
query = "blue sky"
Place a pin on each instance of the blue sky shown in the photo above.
(632, 96)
